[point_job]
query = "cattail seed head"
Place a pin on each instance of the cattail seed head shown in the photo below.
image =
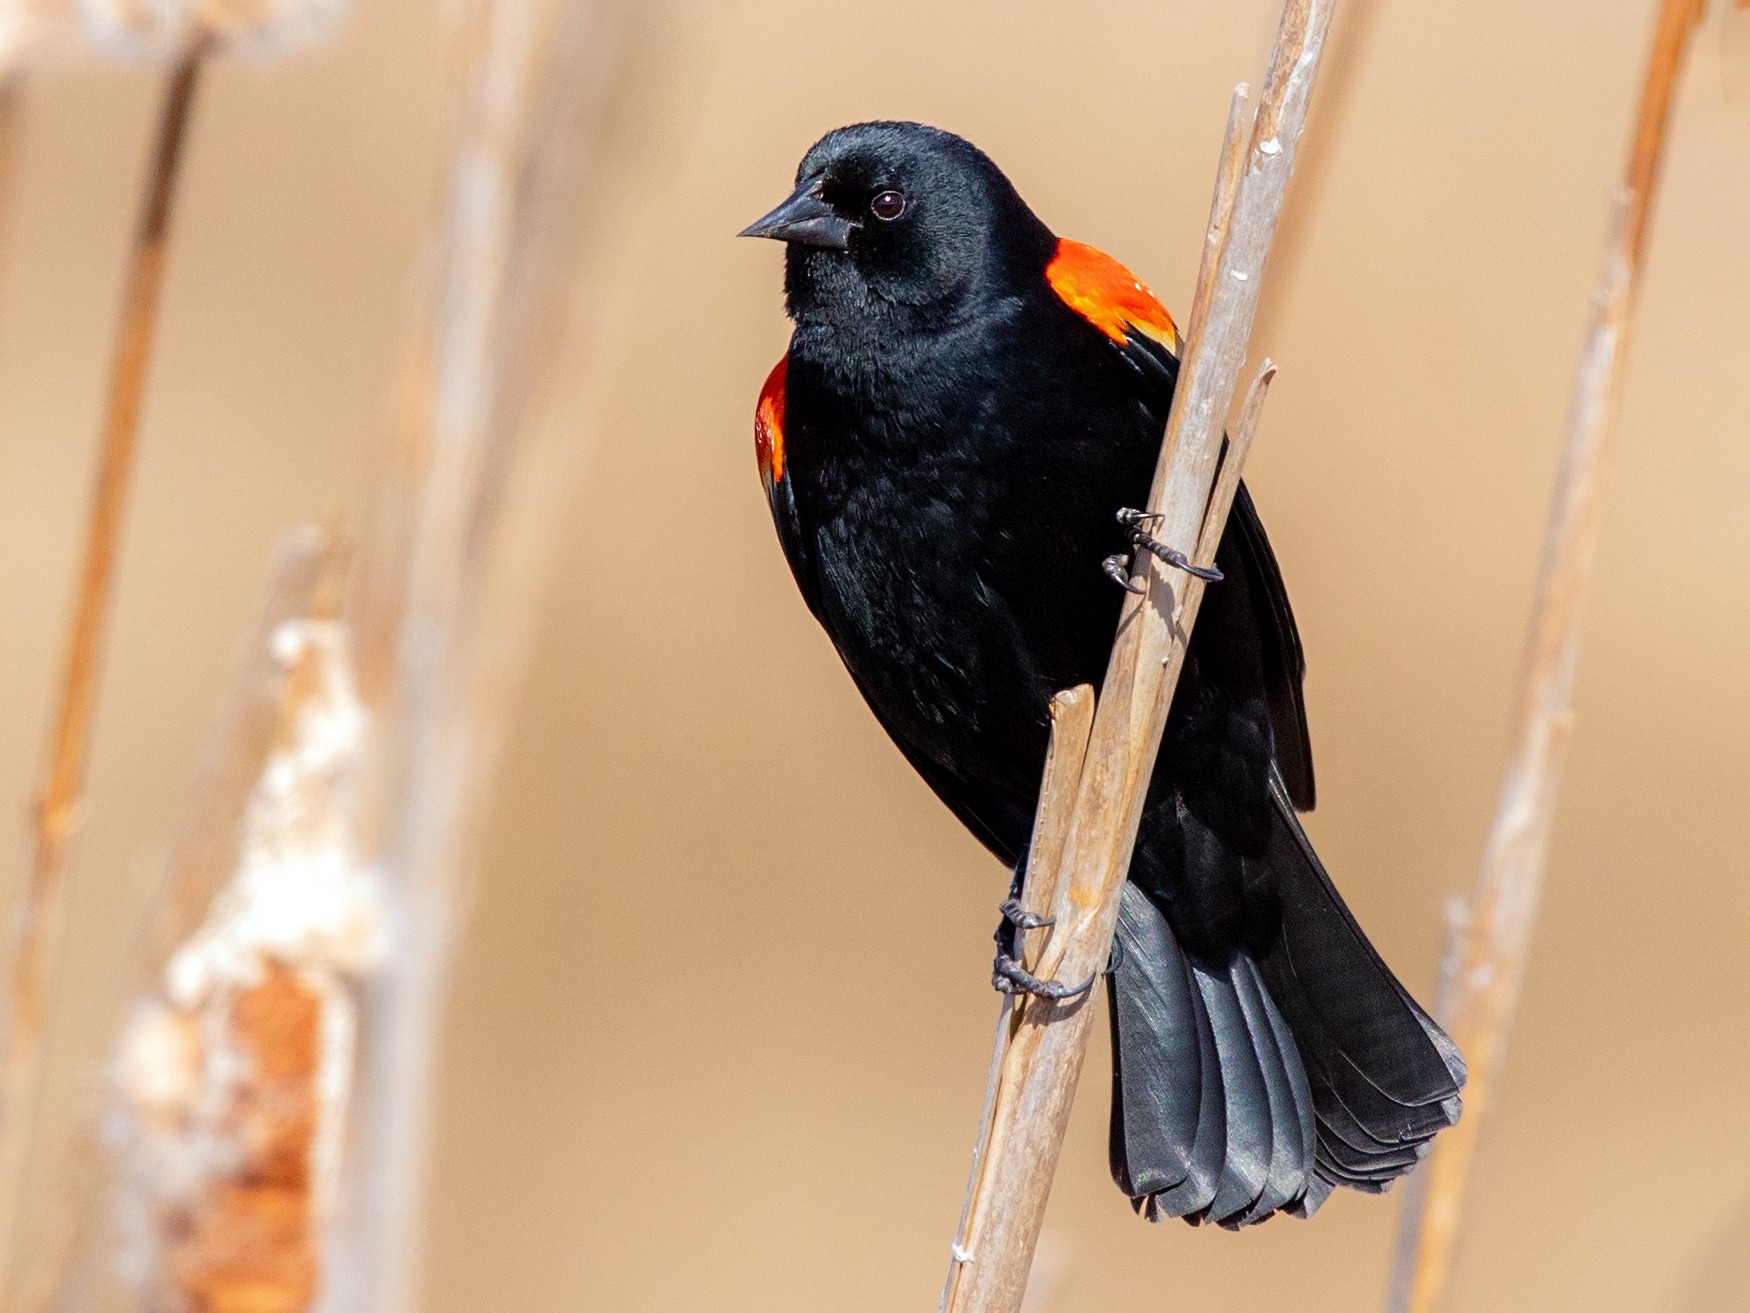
(232, 1082)
(36, 32)
(161, 28)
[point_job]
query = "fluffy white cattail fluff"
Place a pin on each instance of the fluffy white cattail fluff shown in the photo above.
(162, 27)
(233, 1082)
(45, 31)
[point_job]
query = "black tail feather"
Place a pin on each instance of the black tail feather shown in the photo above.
(1291, 1109)
(1154, 1131)
(1235, 1144)
(1254, 1086)
(1245, 1167)
(1195, 1193)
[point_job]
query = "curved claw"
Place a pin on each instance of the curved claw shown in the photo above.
(1010, 977)
(1177, 559)
(1133, 519)
(1019, 917)
(1117, 568)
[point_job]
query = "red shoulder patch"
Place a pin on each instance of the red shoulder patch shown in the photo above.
(1108, 295)
(768, 424)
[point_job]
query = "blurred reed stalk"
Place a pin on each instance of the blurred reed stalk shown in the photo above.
(181, 35)
(37, 923)
(1043, 1041)
(1490, 964)
(454, 558)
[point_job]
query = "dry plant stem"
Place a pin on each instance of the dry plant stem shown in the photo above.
(1072, 720)
(38, 919)
(1042, 1065)
(1504, 905)
(1413, 1193)
(454, 562)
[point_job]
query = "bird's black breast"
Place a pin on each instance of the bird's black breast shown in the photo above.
(958, 500)
(954, 499)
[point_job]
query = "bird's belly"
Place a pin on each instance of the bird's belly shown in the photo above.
(933, 648)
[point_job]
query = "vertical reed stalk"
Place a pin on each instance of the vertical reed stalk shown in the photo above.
(453, 562)
(37, 927)
(1504, 905)
(1047, 1040)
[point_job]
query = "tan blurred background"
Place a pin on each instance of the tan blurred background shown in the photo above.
(693, 1064)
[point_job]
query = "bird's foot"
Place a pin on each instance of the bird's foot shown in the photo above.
(1133, 520)
(1019, 917)
(1117, 568)
(1007, 975)
(1010, 977)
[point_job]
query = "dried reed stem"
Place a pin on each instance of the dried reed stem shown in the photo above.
(1504, 905)
(454, 562)
(1048, 1040)
(37, 925)
(1413, 1193)
(1072, 721)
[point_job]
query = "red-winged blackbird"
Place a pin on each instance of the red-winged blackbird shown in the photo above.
(967, 404)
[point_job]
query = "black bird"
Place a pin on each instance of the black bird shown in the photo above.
(967, 405)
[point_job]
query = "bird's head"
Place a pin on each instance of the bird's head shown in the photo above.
(898, 220)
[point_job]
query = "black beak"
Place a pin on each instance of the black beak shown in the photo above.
(806, 220)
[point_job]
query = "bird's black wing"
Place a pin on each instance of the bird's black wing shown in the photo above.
(781, 497)
(768, 436)
(1260, 611)
(1246, 622)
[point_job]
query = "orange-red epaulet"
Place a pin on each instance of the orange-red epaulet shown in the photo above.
(768, 424)
(1108, 295)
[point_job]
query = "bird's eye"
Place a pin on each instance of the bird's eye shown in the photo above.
(887, 205)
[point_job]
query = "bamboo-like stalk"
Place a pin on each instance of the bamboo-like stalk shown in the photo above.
(1413, 1194)
(1042, 1063)
(37, 925)
(454, 560)
(1503, 907)
(1072, 721)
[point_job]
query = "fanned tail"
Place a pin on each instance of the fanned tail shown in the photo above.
(1254, 1086)
(1212, 1116)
